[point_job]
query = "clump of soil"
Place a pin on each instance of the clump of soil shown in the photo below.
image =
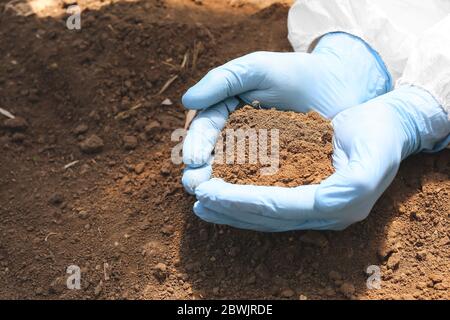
(303, 155)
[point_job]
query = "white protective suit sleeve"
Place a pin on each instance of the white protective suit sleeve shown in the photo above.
(428, 65)
(411, 36)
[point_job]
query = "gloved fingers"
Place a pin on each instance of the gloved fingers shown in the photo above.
(367, 146)
(261, 201)
(340, 157)
(343, 187)
(193, 177)
(204, 132)
(212, 216)
(249, 221)
(229, 80)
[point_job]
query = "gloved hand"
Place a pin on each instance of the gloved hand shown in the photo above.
(370, 140)
(342, 71)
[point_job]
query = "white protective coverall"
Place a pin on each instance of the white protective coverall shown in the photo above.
(411, 36)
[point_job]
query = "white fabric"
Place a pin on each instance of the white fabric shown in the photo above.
(411, 36)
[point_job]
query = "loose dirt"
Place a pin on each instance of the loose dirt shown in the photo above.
(121, 214)
(297, 145)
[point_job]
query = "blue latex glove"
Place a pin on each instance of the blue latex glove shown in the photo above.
(370, 140)
(342, 71)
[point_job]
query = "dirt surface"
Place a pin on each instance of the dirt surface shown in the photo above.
(297, 153)
(119, 211)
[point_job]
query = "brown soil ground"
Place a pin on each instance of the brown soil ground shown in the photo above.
(121, 213)
(303, 142)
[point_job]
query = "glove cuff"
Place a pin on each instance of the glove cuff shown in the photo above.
(427, 122)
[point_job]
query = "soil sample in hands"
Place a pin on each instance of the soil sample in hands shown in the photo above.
(274, 148)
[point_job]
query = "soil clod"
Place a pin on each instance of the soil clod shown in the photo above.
(92, 144)
(130, 142)
(303, 155)
(81, 129)
(16, 124)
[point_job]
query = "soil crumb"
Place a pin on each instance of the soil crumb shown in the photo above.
(303, 155)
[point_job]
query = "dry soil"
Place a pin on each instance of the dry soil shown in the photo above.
(297, 153)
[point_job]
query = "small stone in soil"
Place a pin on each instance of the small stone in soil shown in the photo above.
(80, 129)
(56, 199)
(166, 102)
(421, 255)
(39, 291)
(165, 170)
(436, 278)
(152, 126)
(347, 289)
(418, 216)
(160, 271)
(167, 229)
(393, 262)
(16, 124)
(130, 142)
(83, 214)
(139, 168)
(92, 144)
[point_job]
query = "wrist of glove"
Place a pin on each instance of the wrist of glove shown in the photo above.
(424, 121)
